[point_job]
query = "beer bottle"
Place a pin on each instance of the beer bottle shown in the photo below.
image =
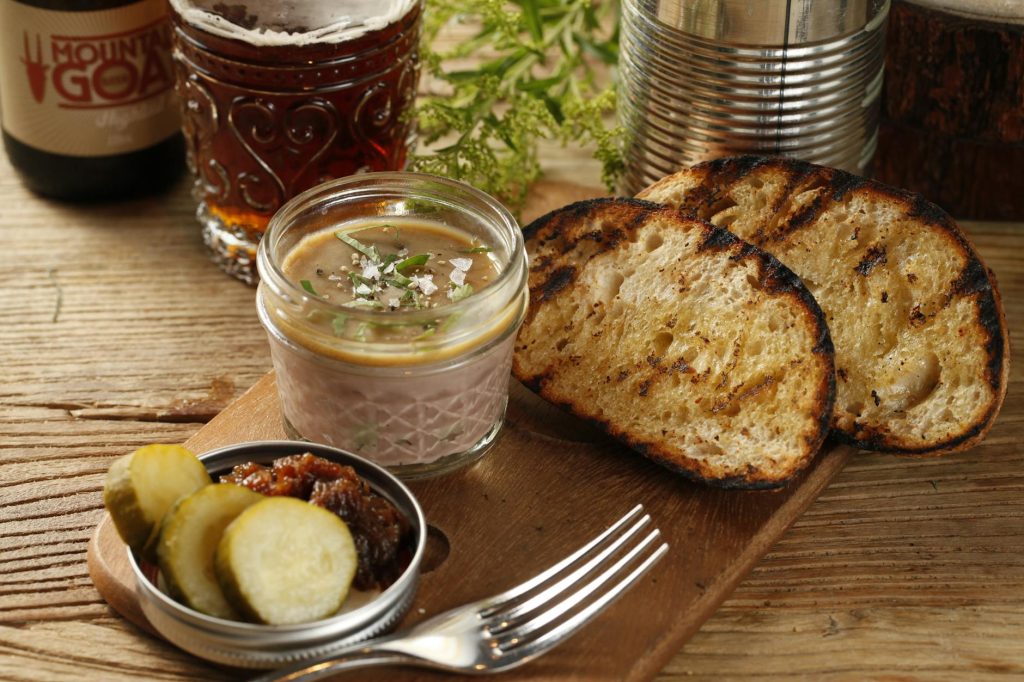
(87, 102)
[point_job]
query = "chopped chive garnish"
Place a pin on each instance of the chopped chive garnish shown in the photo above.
(477, 249)
(368, 251)
(358, 279)
(308, 286)
(399, 280)
(461, 292)
(338, 324)
(412, 261)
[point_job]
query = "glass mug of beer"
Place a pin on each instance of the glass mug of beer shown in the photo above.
(279, 97)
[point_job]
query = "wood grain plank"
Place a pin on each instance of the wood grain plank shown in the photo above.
(129, 348)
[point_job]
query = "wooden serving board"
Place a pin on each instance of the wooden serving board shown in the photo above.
(549, 484)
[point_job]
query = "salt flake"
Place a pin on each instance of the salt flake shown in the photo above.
(463, 264)
(425, 283)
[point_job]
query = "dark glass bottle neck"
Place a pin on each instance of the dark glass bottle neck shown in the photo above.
(74, 5)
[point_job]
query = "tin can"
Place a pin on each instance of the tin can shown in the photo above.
(708, 78)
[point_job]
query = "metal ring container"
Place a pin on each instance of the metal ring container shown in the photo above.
(702, 79)
(251, 645)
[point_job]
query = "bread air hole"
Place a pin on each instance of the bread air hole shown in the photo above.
(610, 285)
(915, 384)
(561, 344)
(706, 450)
(653, 242)
(661, 342)
(725, 219)
(723, 204)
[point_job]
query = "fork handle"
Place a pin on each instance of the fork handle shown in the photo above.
(339, 662)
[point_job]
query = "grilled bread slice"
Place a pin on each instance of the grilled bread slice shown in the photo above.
(922, 353)
(693, 347)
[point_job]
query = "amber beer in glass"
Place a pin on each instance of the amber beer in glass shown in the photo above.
(278, 99)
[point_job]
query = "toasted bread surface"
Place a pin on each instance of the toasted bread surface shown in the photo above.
(922, 351)
(688, 344)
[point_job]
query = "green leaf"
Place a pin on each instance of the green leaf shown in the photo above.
(412, 262)
(308, 286)
(338, 324)
(368, 251)
(477, 249)
(538, 59)
(540, 85)
(399, 280)
(554, 108)
(358, 279)
(502, 132)
(531, 15)
(602, 51)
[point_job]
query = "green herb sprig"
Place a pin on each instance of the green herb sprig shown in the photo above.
(540, 65)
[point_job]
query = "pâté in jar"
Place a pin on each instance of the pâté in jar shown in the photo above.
(391, 303)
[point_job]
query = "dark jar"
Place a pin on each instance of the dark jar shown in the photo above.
(87, 102)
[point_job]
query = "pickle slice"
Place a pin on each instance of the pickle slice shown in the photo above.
(188, 540)
(142, 486)
(285, 561)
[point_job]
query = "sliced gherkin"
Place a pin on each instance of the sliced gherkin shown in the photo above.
(141, 487)
(285, 561)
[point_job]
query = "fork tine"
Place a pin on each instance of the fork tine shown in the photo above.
(570, 581)
(523, 652)
(500, 601)
(569, 599)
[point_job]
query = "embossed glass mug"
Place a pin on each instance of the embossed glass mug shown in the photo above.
(280, 97)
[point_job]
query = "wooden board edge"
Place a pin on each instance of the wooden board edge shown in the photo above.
(113, 579)
(650, 664)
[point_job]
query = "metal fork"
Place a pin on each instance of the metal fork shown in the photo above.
(516, 626)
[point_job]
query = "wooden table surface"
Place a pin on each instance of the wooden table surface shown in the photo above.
(117, 331)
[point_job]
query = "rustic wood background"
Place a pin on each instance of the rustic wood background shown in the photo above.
(952, 119)
(117, 331)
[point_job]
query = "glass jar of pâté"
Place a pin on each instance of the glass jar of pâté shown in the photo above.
(391, 302)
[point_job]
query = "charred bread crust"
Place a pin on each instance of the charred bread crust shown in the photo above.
(562, 231)
(716, 180)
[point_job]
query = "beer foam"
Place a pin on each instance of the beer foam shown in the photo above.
(294, 22)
